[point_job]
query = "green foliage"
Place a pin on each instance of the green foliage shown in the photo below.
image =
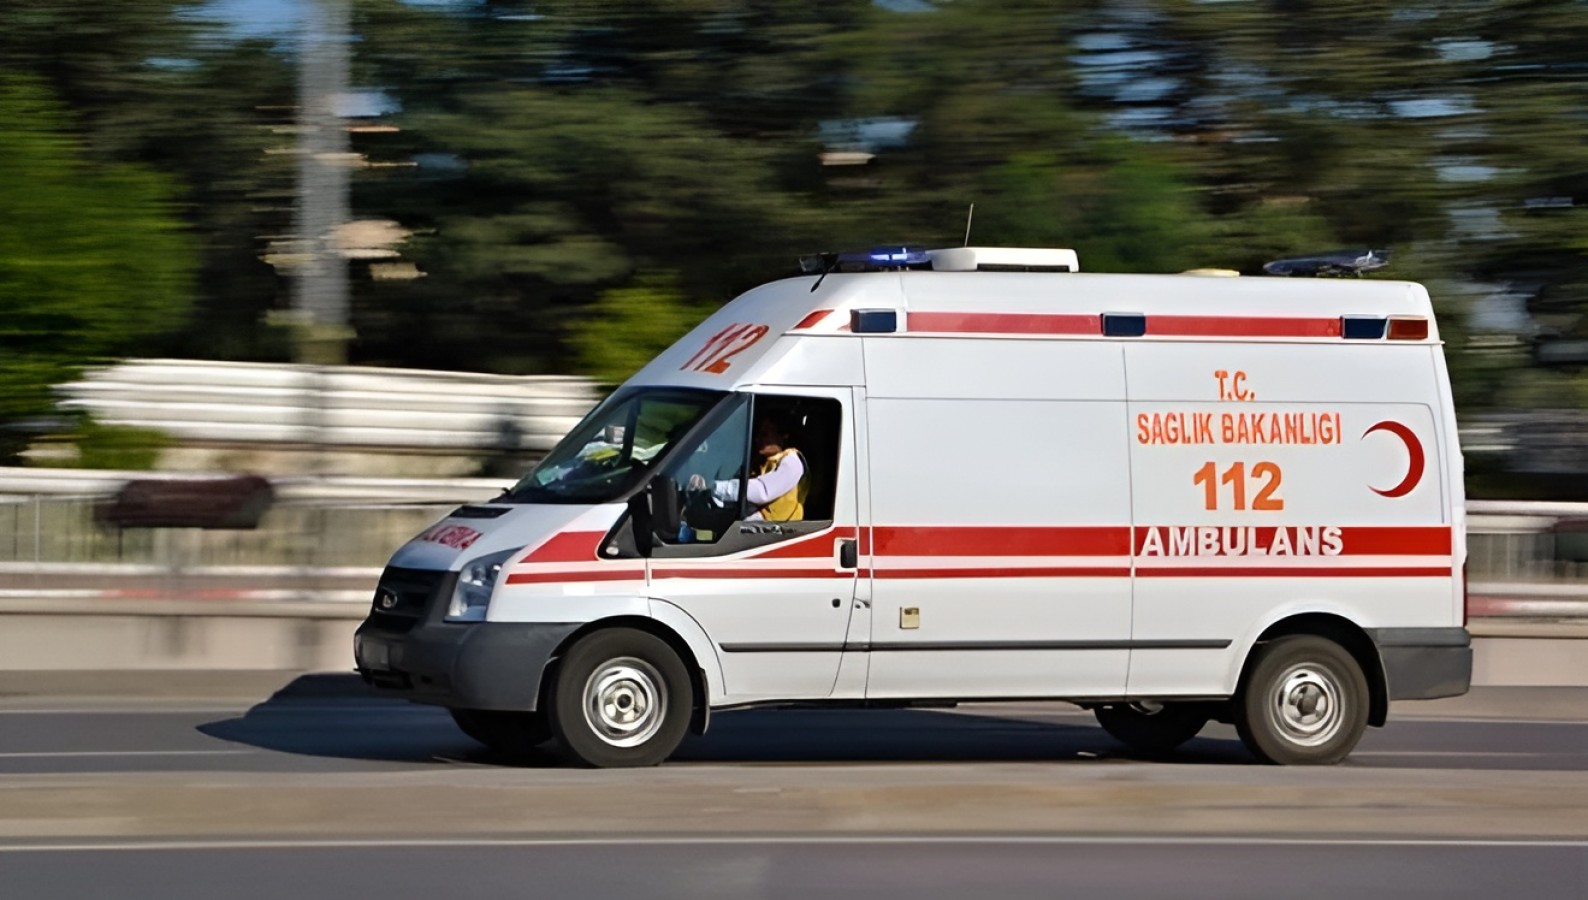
(122, 447)
(93, 260)
(571, 148)
(629, 325)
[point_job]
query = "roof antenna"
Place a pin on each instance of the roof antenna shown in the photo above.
(968, 216)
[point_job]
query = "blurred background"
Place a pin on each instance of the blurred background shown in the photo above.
(376, 250)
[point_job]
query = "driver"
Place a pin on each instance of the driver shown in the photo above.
(779, 490)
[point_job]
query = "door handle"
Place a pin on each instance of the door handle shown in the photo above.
(848, 554)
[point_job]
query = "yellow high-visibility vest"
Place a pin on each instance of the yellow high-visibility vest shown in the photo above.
(791, 506)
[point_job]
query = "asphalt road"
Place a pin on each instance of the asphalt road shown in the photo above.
(319, 796)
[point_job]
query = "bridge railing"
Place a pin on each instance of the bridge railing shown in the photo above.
(1521, 555)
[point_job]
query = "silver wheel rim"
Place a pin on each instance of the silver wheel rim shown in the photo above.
(625, 701)
(1307, 705)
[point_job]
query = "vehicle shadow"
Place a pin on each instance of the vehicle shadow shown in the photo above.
(921, 736)
(336, 717)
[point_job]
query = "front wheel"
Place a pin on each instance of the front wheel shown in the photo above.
(1151, 728)
(1305, 702)
(622, 698)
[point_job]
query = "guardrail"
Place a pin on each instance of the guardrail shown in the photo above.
(334, 534)
(411, 410)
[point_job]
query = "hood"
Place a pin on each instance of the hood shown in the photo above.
(487, 528)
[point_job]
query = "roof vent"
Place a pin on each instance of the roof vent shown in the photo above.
(1003, 259)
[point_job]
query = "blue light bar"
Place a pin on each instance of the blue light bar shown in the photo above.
(888, 257)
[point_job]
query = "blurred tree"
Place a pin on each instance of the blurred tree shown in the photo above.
(157, 83)
(630, 325)
(552, 202)
(93, 257)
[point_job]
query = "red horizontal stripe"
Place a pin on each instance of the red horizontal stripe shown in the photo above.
(1105, 540)
(1355, 540)
(574, 577)
(568, 546)
(811, 320)
(1241, 326)
(1004, 323)
(726, 571)
(1377, 540)
(1016, 572)
(1297, 572)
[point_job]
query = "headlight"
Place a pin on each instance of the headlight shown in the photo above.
(476, 581)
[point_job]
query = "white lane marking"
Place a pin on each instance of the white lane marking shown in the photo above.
(58, 754)
(125, 712)
(257, 707)
(783, 840)
(1356, 753)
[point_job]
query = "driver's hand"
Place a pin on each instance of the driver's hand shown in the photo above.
(697, 482)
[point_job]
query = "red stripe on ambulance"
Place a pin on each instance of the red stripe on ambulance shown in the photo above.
(1003, 323)
(1002, 540)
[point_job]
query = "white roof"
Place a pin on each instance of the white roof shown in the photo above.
(1022, 305)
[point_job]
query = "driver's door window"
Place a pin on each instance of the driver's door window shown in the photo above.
(706, 481)
(764, 473)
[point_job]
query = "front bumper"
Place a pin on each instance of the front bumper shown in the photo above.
(472, 665)
(407, 647)
(1425, 663)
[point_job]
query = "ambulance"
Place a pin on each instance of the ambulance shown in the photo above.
(1168, 499)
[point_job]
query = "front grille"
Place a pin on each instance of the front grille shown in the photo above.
(403, 597)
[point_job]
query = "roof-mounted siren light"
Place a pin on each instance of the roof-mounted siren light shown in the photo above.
(877, 259)
(1334, 263)
(1004, 259)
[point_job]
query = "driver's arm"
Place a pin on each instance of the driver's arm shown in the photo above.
(763, 489)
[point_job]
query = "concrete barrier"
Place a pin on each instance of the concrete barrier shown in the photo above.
(86, 633)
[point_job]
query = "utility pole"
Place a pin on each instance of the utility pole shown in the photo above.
(320, 298)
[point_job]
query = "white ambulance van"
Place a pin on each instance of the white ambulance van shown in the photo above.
(1168, 499)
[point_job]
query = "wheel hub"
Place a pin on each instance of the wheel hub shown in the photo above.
(625, 701)
(1306, 705)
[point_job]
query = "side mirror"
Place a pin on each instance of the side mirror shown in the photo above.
(640, 521)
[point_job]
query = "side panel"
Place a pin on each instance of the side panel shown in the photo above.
(1275, 479)
(1000, 512)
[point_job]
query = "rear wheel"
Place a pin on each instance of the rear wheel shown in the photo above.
(1149, 727)
(1304, 703)
(622, 698)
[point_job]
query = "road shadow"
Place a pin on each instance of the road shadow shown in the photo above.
(920, 736)
(337, 717)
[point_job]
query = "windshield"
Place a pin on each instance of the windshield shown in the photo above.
(611, 451)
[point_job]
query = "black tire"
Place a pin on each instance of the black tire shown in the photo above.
(1304, 703)
(1154, 729)
(622, 698)
(506, 732)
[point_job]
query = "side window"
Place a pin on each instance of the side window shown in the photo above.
(705, 481)
(774, 460)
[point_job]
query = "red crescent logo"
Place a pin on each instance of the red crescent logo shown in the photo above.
(1414, 449)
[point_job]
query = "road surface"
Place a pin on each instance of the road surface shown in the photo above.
(316, 794)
